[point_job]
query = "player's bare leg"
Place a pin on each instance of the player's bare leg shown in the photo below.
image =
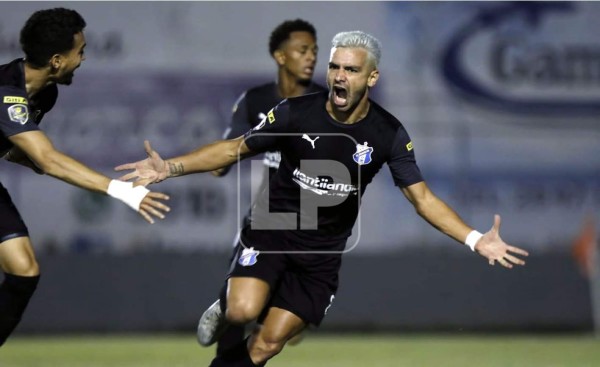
(21, 271)
(296, 339)
(246, 298)
(17, 257)
(277, 329)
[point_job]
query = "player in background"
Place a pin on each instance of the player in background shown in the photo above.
(53, 42)
(293, 47)
(289, 264)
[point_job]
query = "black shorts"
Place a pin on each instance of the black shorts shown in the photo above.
(11, 223)
(302, 283)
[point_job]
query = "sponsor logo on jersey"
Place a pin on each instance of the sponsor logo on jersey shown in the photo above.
(271, 117)
(363, 154)
(248, 257)
(12, 99)
(18, 113)
(323, 185)
(409, 146)
(311, 141)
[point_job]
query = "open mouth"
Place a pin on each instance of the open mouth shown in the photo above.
(340, 96)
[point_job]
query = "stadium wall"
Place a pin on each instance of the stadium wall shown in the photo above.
(431, 289)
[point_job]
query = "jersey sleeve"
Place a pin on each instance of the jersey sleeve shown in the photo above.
(15, 116)
(403, 163)
(266, 135)
(240, 121)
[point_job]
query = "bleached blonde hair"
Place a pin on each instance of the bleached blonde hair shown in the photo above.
(359, 39)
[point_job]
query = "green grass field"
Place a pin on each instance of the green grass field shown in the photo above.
(412, 350)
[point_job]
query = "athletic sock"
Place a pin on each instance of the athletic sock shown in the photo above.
(231, 337)
(15, 293)
(234, 334)
(237, 356)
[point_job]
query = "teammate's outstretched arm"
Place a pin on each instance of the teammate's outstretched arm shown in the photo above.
(42, 153)
(154, 169)
(441, 216)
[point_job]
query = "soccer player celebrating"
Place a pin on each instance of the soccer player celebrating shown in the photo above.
(53, 43)
(332, 144)
(293, 46)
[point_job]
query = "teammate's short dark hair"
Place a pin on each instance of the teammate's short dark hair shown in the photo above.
(282, 32)
(49, 32)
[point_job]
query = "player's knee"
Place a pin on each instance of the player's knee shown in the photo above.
(31, 268)
(241, 312)
(25, 266)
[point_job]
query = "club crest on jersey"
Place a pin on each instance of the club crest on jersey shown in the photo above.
(248, 257)
(18, 113)
(363, 153)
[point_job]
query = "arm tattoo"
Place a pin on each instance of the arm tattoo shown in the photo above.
(175, 169)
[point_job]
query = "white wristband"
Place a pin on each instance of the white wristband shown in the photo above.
(472, 239)
(124, 191)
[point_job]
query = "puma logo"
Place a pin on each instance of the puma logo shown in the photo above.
(311, 141)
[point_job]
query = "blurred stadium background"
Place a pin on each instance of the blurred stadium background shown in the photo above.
(501, 100)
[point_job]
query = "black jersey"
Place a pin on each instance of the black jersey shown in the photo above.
(18, 113)
(252, 107)
(322, 158)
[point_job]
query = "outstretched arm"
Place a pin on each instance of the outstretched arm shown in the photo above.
(40, 150)
(441, 216)
(213, 156)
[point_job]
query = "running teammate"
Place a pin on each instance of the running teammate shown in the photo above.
(53, 43)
